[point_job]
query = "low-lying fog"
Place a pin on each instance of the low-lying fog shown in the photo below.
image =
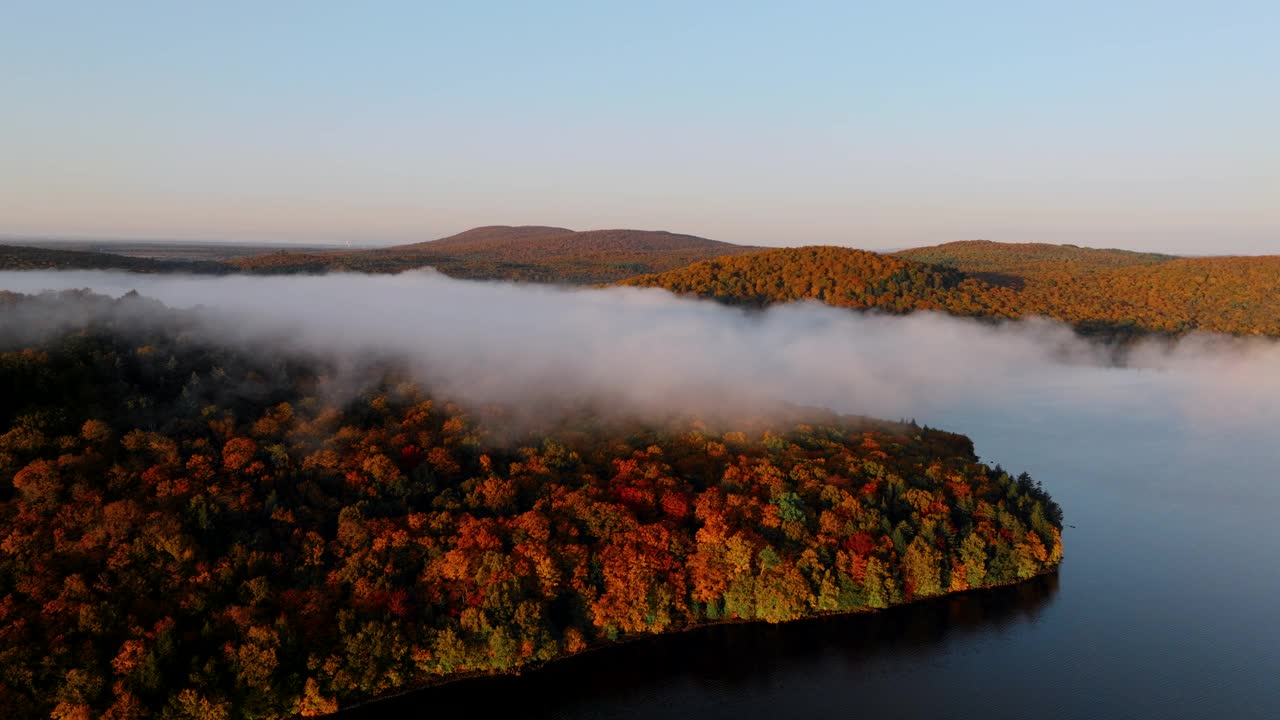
(1166, 469)
(647, 350)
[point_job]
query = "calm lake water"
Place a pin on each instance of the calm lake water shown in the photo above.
(1166, 606)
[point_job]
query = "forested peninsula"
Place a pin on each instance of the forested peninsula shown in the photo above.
(196, 529)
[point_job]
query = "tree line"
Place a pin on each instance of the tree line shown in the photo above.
(1100, 293)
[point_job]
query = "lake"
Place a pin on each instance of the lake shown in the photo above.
(1164, 607)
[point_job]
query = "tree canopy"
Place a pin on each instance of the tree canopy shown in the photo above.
(1111, 293)
(194, 530)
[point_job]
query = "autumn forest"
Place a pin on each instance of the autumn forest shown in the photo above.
(1103, 294)
(195, 530)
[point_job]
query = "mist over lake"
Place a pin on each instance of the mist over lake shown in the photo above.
(1166, 470)
(649, 352)
(1163, 607)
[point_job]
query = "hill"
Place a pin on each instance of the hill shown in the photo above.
(525, 253)
(1108, 292)
(1011, 263)
(190, 529)
(838, 276)
(1111, 293)
(490, 236)
(1235, 295)
(15, 257)
(1123, 289)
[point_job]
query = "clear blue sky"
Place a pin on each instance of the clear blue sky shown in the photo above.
(1132, 124)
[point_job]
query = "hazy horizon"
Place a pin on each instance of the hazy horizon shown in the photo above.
(326, 243)
(1144, 126)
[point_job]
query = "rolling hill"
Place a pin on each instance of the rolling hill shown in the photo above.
(1118, 288)
(524, 253)
(1105, 292)
(1110, 293)
(1012, 264)
(490, 236)
(838, 276)
(1236, 295)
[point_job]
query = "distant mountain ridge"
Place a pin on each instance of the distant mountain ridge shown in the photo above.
(527, 253)
(1109, 292)
(532, 253)
(543, 242)
(20, 257)
(488, 235)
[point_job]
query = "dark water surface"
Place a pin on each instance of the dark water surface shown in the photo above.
(1166, 606)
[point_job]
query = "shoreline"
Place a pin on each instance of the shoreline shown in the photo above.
(631, 639)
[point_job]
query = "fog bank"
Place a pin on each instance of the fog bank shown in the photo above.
(644, 350)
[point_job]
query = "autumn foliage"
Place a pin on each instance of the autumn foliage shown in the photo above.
(524, 253)
(1130, 291)
(191, 531)
(842, 277)
(1107, 293)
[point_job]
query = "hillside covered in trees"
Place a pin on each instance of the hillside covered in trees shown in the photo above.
(837, 276)
(1100, 292)
(1139, 291)
(1014, 263)
(526, 253)
(193, 530)
(1105, 293)
(19, 257)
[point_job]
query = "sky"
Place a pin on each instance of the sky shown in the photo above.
(1144, 125)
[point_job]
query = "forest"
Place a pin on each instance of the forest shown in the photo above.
(1013, 264)
(192, 527)
(19, 257)
(1103, 294)
(522, 253)
(526, 253)
(856, 279)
